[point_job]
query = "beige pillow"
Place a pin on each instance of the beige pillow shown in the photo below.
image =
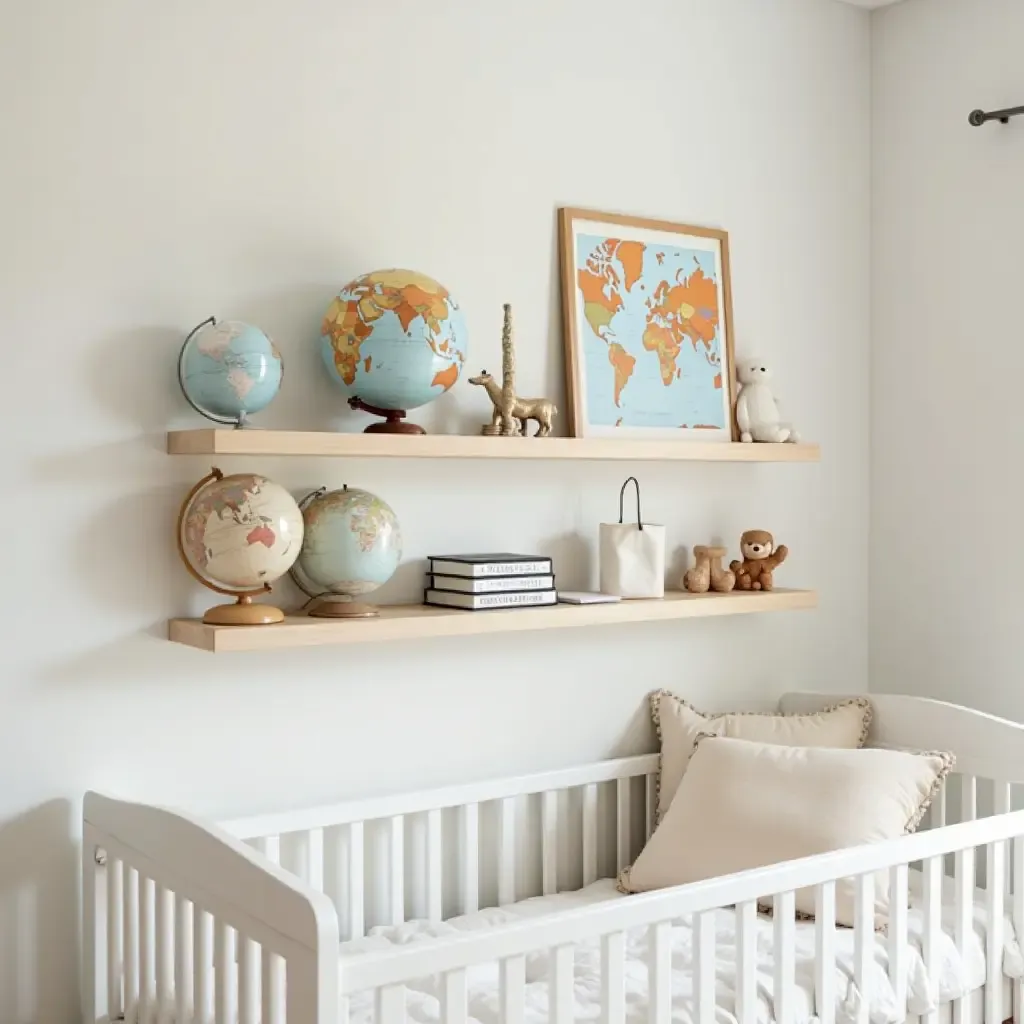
(678, 725)
(743, 805)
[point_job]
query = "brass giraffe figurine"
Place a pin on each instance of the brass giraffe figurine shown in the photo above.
(511, 413)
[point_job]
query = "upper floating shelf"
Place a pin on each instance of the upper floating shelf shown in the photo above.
(212, 441)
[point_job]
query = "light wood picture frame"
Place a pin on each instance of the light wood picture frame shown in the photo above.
(648, 328)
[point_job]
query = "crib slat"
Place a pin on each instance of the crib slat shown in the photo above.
(746, 962)
(202, 933)
(624, 821)
(937, 814)
(1002, 799)
(507, 852)
(561, 995)
(1018, 922)
(469, 843)
(389, 1004)
(91, 915)
(512, 974)
(825, 952)
(784, 951)
(130, 906)
(248, 980)
(963, 870)
(968, 798)
(454, 995)
(704, 968)
(549, 842)
(435, 867)
(223, 974)
(270, 847)
(930, 949)
(864, 941)
(315, 858)
(164, 946)
(115, 893)
(659, 973)
(995, 870)
(147, 929)
(613, 980)
(1003, 804)
(396, 869)
(271, 970)
(898, 947)
(589, 833)
(297, 853)
(183, 966)
(356, 852)
(650, 804)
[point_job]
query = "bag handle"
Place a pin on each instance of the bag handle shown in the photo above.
(622, 498)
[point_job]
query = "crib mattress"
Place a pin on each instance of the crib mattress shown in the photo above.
(957, 975)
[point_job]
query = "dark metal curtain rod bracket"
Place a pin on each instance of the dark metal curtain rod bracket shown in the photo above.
(979, 117)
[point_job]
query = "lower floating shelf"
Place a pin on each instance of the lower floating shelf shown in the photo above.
(416, 621)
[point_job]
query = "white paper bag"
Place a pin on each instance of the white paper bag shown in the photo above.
(632, 554)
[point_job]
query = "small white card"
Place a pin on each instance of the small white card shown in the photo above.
(586, 597)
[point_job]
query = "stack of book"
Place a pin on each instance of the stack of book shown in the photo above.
(496, 580)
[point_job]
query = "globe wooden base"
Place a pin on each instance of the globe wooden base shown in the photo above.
(394, 427)
(392, 419)
(341, 608)
(243, 614)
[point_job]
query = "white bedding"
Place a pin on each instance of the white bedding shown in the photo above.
(957, 976)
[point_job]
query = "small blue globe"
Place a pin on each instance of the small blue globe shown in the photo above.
(351, 544)
(229, 370)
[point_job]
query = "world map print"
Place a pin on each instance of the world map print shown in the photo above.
(650, 337)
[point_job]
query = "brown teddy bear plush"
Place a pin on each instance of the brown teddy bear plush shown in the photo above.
(760, 558)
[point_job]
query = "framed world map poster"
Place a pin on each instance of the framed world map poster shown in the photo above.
(647, 316)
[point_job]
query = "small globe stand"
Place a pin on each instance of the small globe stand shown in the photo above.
(243, 612)
(327, 605)
(240, 422)
(392, 419)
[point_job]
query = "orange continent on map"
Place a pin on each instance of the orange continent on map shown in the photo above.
(622, 366)
(446, 377)
(663, 342)
(598, 283)
(631, 256)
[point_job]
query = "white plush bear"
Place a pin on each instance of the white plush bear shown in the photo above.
(757, 410)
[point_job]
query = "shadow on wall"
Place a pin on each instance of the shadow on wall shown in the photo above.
(38, 916)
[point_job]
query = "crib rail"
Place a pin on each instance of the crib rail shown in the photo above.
(450, 957)
(387, 859)
(182, 917)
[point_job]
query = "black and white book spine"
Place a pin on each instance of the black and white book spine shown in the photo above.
(490, 584)
(475, 570)
(482, 602)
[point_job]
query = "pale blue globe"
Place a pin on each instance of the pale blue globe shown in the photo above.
(351, 543)
(229, 370)
(395, 339)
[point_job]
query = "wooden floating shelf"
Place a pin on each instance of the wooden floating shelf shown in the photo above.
(416, 621)
(213, 441)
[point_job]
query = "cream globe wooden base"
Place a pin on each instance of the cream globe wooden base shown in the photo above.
(243, 613)
(342, 608)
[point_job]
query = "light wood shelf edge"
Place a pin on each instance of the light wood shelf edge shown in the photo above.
(414, 621)
(213, 441)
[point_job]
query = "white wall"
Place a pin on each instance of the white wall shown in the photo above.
(245, 160)
(947, 253)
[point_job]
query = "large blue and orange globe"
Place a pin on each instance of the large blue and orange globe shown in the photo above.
(395, 339)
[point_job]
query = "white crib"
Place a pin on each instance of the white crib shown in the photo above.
(248, 917)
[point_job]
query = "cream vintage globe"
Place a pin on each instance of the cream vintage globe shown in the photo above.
(238, 534)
